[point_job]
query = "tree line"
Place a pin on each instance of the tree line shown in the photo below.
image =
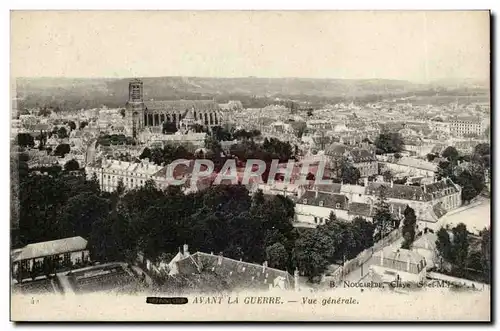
(467, 171)
(459, 258)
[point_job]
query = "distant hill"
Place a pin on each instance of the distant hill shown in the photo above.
(77, 93)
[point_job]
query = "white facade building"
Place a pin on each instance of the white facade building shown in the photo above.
(133, 175)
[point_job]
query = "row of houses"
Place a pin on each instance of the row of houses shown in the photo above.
(430, 201)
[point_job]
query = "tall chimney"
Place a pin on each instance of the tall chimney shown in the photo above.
(186, 250)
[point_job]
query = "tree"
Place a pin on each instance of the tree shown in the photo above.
(431, 156)
(146, 154)
(221, 134)
(80, 212)
(451, 154)
(388, 176)
(389, 142)
(83, 124)
(366, 140)
(120, 187)
(122, 112)
(460, 248)
(382, 219)
(446, 169)
(25, 140)
(310, 176)
(472, 183)
(366, 231)
(277, 256)
(72, 125)
(310, 253)
(482, 155)
(344, 242)
(62, 150)
(486, 254)
(309, 112)
(443, 245)
(409, 224)
(71, 165)
(62, 133)
(169, 127)
(44, 112)
(350, 174)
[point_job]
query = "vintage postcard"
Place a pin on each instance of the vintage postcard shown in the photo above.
(250, 166)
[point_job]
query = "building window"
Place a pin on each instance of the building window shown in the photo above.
(315, 220)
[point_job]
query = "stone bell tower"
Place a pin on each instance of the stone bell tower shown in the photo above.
(134, 112)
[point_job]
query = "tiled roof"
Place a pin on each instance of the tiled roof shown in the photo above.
(361, 209)
(328, 200)
(146, 169)
(362, 155)
(328, 188)
(354, 189)
(181, 105)
(426, 241)
(439, 188)
(49, 248)
(398, 259)
(398, 191)
(416, 163)
(238, 273)
(336, 149)
(438, 210)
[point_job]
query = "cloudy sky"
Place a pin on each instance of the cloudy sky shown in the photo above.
(415, 46)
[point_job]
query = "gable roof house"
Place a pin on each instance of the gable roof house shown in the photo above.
(399, 264)
(237, 275)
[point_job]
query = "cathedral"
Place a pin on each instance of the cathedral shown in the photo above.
(140, 114)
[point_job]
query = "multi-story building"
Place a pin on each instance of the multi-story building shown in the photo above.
(468, 125)
(430, 201)
(133, 175)
(408, 166)
(361, 158)
(315, 207)
(439, 126)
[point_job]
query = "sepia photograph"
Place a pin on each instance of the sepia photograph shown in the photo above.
(250, 166)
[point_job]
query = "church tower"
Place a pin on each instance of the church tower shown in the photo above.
(134, 112)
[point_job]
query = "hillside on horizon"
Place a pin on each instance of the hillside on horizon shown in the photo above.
(77, 93)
